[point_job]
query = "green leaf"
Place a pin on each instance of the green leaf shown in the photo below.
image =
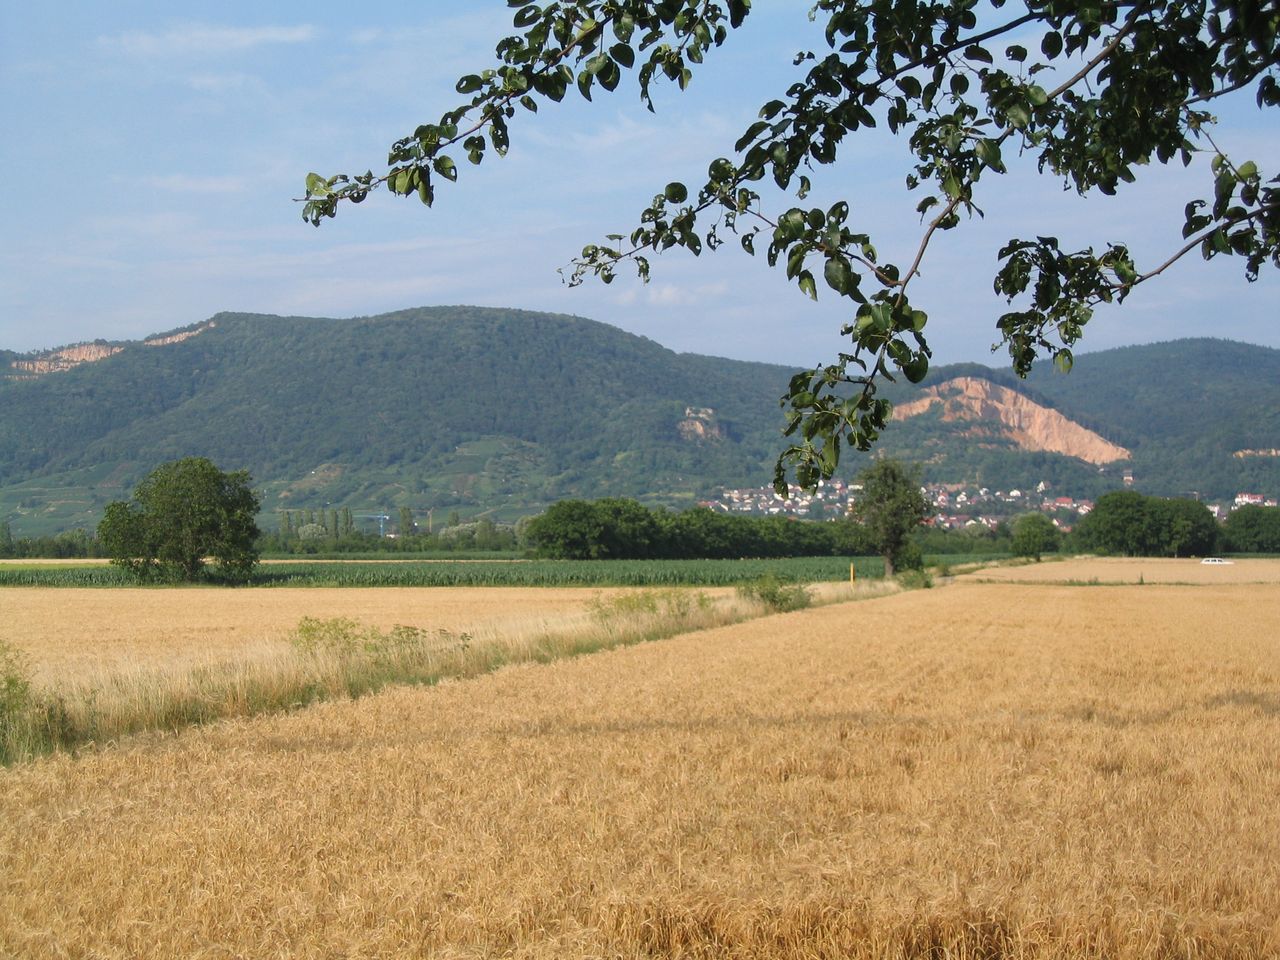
(676, 192)
(623, 54)
(526, 17)
(752, 132)
(445, 167)
(807, 285)
(917, 368)
(838, 274)
(988, 151)
(469, 84)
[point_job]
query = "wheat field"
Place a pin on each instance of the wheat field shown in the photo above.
(981, 771)
(77, 633)
(1112, 570)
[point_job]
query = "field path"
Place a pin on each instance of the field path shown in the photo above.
(1007, 770)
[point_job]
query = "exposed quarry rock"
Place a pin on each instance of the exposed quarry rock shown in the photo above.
(179, 337)
(67, 358)
(1020, 419)
(64, 358)
(700, 424)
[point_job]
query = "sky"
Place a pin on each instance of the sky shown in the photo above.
(155, 153)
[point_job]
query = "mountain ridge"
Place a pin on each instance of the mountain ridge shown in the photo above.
(501, 411)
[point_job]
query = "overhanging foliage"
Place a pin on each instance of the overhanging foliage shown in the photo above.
(1101, 90)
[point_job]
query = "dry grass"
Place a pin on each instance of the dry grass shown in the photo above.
(1110, 570)
(983, 771)
(329, 658)
(77, 634)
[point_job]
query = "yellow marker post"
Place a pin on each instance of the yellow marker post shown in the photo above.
(853, 574)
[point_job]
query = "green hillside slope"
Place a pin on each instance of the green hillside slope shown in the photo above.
(1184, 408)
(454, 406)
(505, 410)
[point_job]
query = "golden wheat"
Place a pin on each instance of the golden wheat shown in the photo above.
(75, 634)
(1111, 570)
(980, 771)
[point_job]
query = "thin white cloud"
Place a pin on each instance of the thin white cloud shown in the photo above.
(194, 184)
(679, 295)
(204, 39)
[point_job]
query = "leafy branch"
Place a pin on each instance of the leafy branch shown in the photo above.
(926, 70)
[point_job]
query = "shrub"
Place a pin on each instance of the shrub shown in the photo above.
(776, 594)
(915, 580)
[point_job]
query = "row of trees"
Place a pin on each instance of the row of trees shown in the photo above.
(886, 514)
(67, 545)
(1252, 529)
(1132, 524)
(187, 511)
(333, 531)
(618, 528)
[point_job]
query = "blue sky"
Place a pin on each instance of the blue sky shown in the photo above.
(153, 152)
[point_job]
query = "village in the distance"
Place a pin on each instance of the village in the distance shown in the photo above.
(957, 506)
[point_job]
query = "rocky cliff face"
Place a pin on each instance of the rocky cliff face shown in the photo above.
(700, 424)
(1020, 419)
(64, 358)
(179, 337)
(67, 358)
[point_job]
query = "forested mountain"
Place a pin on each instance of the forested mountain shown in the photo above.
(506, 410)
(445, 407)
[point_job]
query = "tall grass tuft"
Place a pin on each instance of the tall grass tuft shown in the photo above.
(17, 706)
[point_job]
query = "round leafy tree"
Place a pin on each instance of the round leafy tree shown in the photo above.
(182, 513)
(1033, 535)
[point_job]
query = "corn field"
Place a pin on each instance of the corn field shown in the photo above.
(519, 573)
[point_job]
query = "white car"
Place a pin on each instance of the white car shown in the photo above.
(1216, 560)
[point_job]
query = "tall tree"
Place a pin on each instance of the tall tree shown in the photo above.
(1034, 534)
(1089, 92)
(180, 513)
(890, 507)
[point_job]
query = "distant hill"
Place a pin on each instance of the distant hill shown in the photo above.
(503, 411)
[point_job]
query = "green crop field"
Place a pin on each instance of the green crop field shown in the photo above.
(530, 573)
